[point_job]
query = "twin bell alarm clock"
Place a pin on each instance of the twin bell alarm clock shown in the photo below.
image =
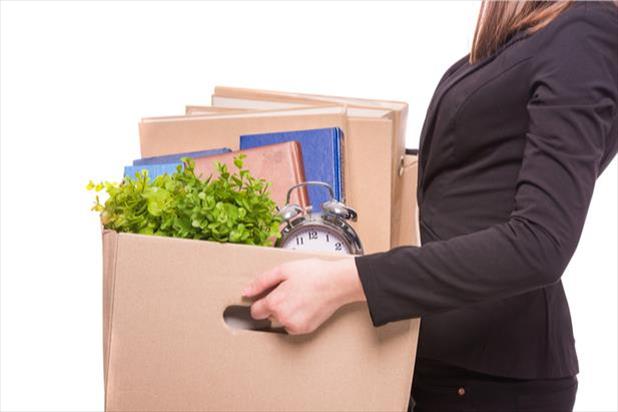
(325, 231)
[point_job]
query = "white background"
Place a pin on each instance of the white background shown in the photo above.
(77, 77)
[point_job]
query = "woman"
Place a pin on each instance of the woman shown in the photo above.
(514, 139)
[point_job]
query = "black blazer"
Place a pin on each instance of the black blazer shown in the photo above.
(509, 154)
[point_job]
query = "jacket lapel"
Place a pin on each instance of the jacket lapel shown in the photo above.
(448, 82)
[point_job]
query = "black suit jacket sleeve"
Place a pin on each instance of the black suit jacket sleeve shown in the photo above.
(572, 106)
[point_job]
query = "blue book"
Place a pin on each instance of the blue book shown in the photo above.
(175, 158)
(322, 157)
(153, 170)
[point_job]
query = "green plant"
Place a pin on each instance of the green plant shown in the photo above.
(234, 207)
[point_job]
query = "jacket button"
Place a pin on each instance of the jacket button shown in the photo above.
(461, 391)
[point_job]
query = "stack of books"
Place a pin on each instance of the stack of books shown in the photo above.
(357, 146)
(283, 159)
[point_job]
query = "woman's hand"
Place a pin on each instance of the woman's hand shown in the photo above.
(307, 292)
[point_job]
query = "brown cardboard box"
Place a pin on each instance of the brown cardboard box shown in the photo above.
(168, 348)
(409, 233)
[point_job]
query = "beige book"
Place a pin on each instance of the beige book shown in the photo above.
(208, 110)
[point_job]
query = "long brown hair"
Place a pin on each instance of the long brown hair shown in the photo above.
(498, 20)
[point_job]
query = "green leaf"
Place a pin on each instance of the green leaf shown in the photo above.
(238, 162)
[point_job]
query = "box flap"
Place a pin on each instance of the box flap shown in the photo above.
(110, 248)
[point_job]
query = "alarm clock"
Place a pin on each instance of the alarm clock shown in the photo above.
(324, 231)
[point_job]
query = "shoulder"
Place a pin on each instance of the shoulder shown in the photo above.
(575, 57)
(595, 20)
(583, 39)
(606, 11)
(600, 10)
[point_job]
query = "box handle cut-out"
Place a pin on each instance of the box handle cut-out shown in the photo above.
(239, 317)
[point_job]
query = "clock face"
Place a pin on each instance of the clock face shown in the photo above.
(315, 238)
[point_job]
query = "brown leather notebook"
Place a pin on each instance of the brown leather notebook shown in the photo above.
(280, 164)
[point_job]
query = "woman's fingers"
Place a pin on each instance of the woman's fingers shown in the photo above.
(264, 281)
(260, 309)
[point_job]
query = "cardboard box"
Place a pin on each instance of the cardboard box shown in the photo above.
(167, 346)
(409, 230)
